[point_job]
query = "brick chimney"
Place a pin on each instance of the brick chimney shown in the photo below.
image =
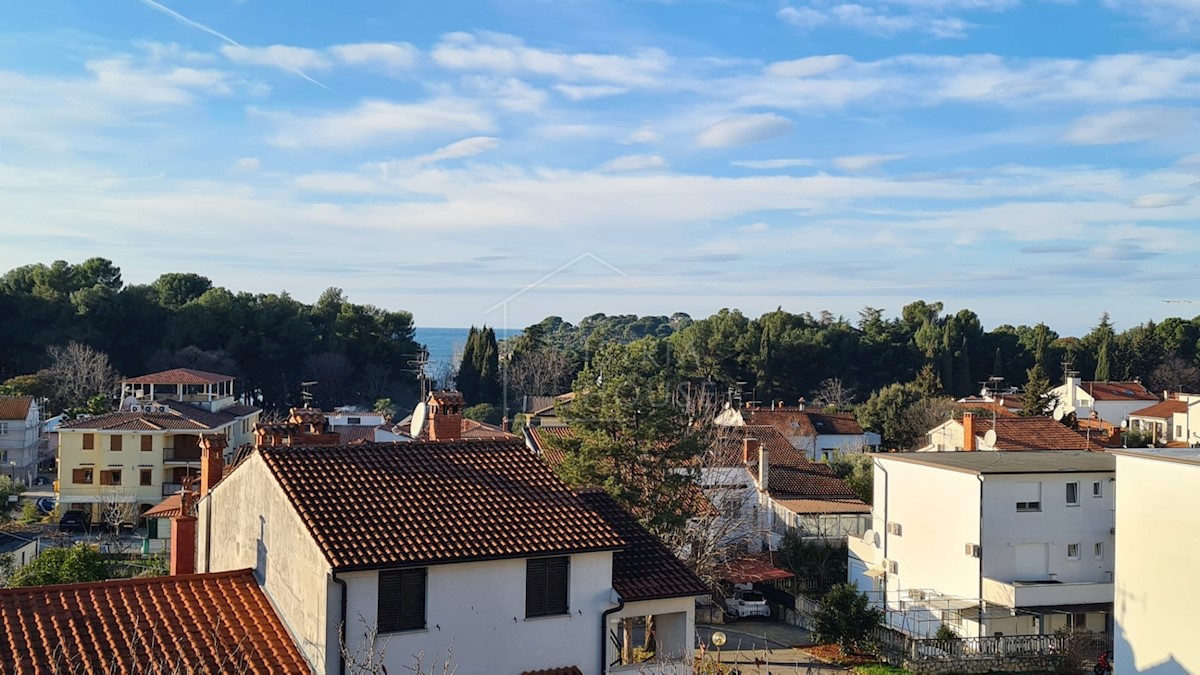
(968, 424)
(749, 449)
(764, 468)
(445, 415)
(212, 461)
(183, 537)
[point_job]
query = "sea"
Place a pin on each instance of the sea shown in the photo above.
(444, 343)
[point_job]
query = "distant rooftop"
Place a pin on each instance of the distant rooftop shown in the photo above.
(1180, 455)
(180, 376)
(984, 462)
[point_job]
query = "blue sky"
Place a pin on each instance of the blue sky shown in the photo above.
(504, 160)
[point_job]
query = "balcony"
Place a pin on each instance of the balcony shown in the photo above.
(182, 455)
(169, 489)
(1035, 593)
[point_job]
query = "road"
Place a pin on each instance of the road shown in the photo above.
(761, 647)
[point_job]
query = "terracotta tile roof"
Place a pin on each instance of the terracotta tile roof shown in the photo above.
(570, 670)
(806, 482)
(824, 505)
(1118, 391)
(477, 429)
(646, 569)
(1162, 410)
(180, 417)
(15, 407)
(835, 423)
(730, 445)
(179, 376)
(751, 570)
(355, 434)
(379, 505)
(1036, 433)
(795, 422)
(201, 620)
(167, 508)
(240, 410)
(985, 407)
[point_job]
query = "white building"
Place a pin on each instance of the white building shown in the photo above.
(1012, 543)
(1111, 402)
(1169, 422)
(1007, 433)
(1156, 596)
(474, 546)
(820, 435)
(19, 435)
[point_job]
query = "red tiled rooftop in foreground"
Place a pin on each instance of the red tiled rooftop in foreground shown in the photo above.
(197, 623)
(646, 569)
(180, 376)
(1036, 433)
(379, 505)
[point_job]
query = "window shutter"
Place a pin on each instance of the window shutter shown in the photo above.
(389, 602)
(147, 443)
(89, 441)
(556, 586)
(535, 587)
(115, 444)
(412, 599)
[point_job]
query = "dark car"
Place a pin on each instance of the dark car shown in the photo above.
(41, 480)
(73, 521)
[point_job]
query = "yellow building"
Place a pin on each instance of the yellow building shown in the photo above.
(143, 452)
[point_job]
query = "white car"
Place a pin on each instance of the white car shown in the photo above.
(747, 603)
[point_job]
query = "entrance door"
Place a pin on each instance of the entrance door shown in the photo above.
(1032, 562)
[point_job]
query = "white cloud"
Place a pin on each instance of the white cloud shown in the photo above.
(508, 93)
(577, 92)
(864, 162)
(644, 135)
(755, 227)
(803, 17)
(924, 17)
(1189, 160)
(744, 129)
(1158, 200)
(1179, 15)
(772, 163)
(635, 163)
(809, 66)
(247, 164)
(374, 121)
(284, 57)
(467, 147)
(505, 54)
(1130, 125)
(392, 56)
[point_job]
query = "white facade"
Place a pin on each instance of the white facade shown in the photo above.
(1035, 550)
(19, 445)
(1072, 397)
(1157, 553)
(352, 418)
(1182, 427)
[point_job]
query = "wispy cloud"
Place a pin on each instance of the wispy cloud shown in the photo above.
(864, 162)
(375, 121)
(635, 163)
(744, 129)
(1130, 125)
(772, 163)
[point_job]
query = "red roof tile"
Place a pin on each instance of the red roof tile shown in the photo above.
(180, 376)
(570, 670)
(824, 505)
(203, 621)
(806, 482)
(646, 569)
(751, 570)
(730, 445)
(167, 508)
(793, 422)
(355, 434)
(1036, 433)
(1118, 391)
(180, 417)
(15, 407)
(378, 505)
(1162, 410)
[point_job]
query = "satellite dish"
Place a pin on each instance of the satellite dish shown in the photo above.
(418, 421)
(989, 439)
(1059, 413)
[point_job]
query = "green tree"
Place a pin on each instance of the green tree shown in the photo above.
(467, 378)
(8, 488)
(384, 406)
(631, 434)
(77, 564)
(1036, 399)
(858, 470)
(484, 412)
(1102, 365)
(176, 289)
(846, 618)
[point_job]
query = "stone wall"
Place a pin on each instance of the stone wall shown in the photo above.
(1000, 664)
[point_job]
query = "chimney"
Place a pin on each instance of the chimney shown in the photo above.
(764, 468)
(800, 404)
(212, 461)
(749, 449)
(445, 415)
(968, 424)
(505, 425)
(183, 537)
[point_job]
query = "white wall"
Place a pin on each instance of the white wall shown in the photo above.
(1056, 525)
(254, 526)
(1157, 594)
(676, 636)
(20, 444)
(479, 609)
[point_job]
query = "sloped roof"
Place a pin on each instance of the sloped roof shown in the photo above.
(824, 505)
(1162, 410)
(180, 376)
(731, 443)
(815, 481)
(355, 434)
(476, 429)
(751, 570)
(569, 670)
(835, 423)
(204, 622)
(646, 569)
(1035, 433)
(1118, 391)
(381, 505)
(180, 417)
(167, 508)
(15, 407)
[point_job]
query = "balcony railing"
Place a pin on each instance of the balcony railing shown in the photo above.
(169, 489)
(181, 454)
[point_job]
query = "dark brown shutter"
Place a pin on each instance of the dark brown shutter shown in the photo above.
(556, 586)
(389, 602)
(89, 441)
(115, 444)
(412, 599)
(147, 443)
(535, 587)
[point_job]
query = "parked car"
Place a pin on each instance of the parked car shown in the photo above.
(747, 603)
(73, 520)
(42, 480)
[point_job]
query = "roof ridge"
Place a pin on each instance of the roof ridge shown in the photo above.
(134, 581)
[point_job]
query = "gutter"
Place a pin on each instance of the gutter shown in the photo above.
(342, 625)
(604, 633)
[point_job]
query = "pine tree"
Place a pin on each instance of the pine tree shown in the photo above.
(963, 371)
(1102, 366)
(1036, 400)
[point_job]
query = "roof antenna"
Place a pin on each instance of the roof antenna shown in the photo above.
(306, 396)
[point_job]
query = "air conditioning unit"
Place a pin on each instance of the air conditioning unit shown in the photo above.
(893, 567)
(974, 550)
(895, 528)
(135, 408)
(916, 594)
(1112, 530)
(161, 408)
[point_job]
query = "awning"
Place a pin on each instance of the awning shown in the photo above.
(875, 572)
(749, 571)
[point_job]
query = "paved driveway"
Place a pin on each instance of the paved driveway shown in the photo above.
(762, 647)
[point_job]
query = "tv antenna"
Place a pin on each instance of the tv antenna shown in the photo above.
(418, 366)
(305, 395)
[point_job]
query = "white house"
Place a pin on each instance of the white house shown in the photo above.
(1156, 597)
(819, 435)
(19, 434)
(1007, 433)
(1111, 402)
(1169, 422)
(1012, 543)
(21, 547)
(469, 545)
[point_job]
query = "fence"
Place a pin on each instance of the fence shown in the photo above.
(933, 654)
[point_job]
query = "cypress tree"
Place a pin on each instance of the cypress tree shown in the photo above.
(467, 379)
(1102, 366)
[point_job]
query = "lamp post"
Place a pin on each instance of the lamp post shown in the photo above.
(718, 640)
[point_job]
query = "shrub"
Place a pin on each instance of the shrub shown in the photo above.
(846, 618)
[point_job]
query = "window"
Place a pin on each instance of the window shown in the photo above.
(1098, 550)
(354, 420)
(546, 586)
(3, 428)
(81, 476)
(110, 477)
(1077, 621)
(1072, 551)
(1178, 431)
(114, 443)
(951, 617)
(401, 600)
(147, 477)
(1097, 489)
(1029, 506)
(147, 443)
(89, 441)
(1072, 494)
(1029, 496)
